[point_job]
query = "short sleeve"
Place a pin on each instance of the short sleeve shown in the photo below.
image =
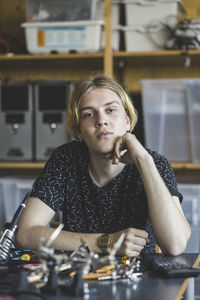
(50, 185)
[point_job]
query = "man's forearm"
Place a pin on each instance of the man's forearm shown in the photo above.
(30, 239)
(169, 224)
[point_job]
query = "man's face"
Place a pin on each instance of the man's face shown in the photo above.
(102, 120)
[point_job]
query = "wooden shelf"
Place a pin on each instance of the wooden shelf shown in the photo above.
(183, 165)
(96, 55)
(68, 67)
(40, 165)
(133, 66)
(185, 172)
(22, 165)
(24, 57)
(158, 58)
(156, 53)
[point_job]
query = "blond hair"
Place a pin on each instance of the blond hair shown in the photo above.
(83, 87)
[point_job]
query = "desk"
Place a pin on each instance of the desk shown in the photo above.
(150, 286)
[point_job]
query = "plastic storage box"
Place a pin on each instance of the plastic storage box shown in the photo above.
(191, 202)
(194, 121)
(63, 37)
(145, 38)
(13, 192)
(60, 10)
(69, 10)
(143, 12)
(167, 117)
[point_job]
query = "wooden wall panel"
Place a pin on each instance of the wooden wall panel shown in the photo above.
(12, 14)
(47, 69)
(192, 8)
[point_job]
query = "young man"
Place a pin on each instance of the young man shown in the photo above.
(105, 182)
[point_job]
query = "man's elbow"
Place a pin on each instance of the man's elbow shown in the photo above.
(175, 250)
(178, 246)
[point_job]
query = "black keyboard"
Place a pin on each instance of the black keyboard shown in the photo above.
(173, 269)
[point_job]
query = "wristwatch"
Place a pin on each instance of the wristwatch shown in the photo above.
(103, 242)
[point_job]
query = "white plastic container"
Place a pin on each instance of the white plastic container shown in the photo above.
(63, 37)
(145, 38)
(60, 10)
(143, 12)
(166, 117)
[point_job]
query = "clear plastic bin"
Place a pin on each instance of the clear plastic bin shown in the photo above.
(69, 10)
(191, 202)
(13, 192)
(60, 10)
(194, 113)
(191, 209)
(167, 117)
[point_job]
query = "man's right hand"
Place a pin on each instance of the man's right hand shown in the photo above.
(134, 241)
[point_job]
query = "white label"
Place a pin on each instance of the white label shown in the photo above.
(65, 37)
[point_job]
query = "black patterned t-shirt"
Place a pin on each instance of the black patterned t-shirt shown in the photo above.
(65, 184)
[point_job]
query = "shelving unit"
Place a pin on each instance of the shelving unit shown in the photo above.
(129, 67)
(135, 66)
(46, 67)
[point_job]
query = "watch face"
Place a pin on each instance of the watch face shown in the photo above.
(104, 240)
